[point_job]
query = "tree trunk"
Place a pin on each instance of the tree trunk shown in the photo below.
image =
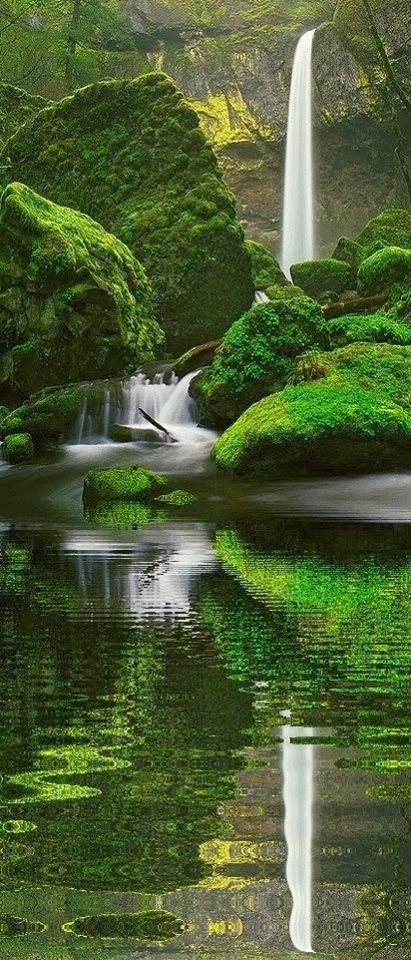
(72, 43)
(360, 305)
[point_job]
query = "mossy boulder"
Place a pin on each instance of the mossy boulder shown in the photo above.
(316, 277)
(289, 292)
(18, 448)
(378, 273)
(74, 302)
(349, 413)
(392, 227)
(256, 357)
(265, 268)
(123, 483)
(380, 327)
(16, 107)
(349, 251)
(4, 412)
(139, 142)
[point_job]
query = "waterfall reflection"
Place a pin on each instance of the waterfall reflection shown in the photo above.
(298, 793)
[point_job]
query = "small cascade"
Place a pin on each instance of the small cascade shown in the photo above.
(168, 403)
(298, 215)
(260, 297)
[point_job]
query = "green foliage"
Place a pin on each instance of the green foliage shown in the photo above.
(18, 448)
(386, 267)
(138, 141)
(392, 227)
(350, 415)
(74, 302)
(256, 357)
(265, 268)
(16, 106)
(122, 483)
(319, 276)
(380, 327)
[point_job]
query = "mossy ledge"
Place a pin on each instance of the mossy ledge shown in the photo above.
(348, 413)
(140, 142)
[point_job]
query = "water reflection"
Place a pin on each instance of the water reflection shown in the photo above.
(176, 703)
(298, 793)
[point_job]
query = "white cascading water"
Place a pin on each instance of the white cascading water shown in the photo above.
(298, 793)
(168, 403)
(298, 214)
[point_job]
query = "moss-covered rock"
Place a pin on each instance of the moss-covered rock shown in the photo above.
(177, 498)
(256, 357)
(350, 412)
(138, 141)
(349, 251)
(123, 483)
(317, 277)
(380, 327)
(74, 302)
(18, 448)
(4, 412)
(265, 268)
(16, 107)
(378, 273)
(290, 292)
(51, 415)
(392, 227)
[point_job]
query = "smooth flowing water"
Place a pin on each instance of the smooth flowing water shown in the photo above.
(205, 720)
(298, 214)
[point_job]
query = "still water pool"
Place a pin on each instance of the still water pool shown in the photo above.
(205, 734)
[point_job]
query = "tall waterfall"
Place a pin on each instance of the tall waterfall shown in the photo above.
(298, 775)
(298, 214)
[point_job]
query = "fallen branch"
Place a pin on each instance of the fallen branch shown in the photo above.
(157, 425)
(360, 305)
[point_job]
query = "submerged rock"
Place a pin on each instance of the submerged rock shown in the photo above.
(18, 448)
(123, 483)
(349, 413)
(177, 498)
(139, 142)
(256, 357)
(74, 302)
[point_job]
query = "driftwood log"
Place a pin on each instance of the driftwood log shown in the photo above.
(157, 425)
(359, 305)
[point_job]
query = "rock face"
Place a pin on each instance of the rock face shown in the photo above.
(138, 142)
(233, 60)
(74, 302)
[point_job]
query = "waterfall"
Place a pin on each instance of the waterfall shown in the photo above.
(298, 215)
(168, 403)
(260, 297)
(298, 776)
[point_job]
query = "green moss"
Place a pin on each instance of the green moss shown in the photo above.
(4, 412)
(118, 513)
(380, 327)
(122, 483)
(392, 227)
(318, 276)
(349, 251)
(138, 141)
(288, 293)
(384, 268)
(178, 498)
(16, 107)
(265, 268)
(74, 302)
(51, 415)
(18, 448)
(256, 357)
(351, 414)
